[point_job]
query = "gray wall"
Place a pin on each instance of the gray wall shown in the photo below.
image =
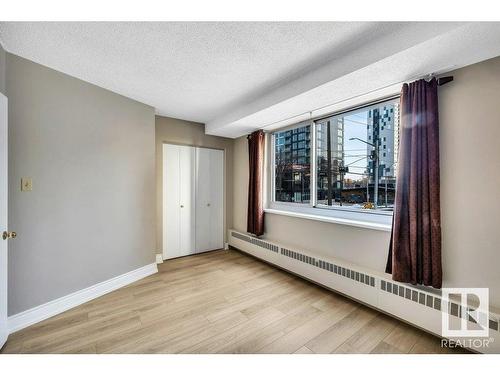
(2, 69)
(91, 213)
(470, 177)
(171, 130)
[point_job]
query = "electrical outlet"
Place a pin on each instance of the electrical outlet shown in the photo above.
(26, 184)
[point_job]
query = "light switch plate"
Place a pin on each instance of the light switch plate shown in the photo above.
(26, 184)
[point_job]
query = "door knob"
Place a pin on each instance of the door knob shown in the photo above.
(6, 235)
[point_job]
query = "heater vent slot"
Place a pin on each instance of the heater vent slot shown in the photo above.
(298, 256)
(256, 241)
(430, 301)
(330, 267)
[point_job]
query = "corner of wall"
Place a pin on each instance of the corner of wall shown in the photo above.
(2, 69)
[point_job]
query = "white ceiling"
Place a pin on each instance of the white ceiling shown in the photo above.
(238, 76)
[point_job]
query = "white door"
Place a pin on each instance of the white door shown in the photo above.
(216, 199)
(171, 201)
(193, 200)
(178, 201)
(209, 199)
(187, 180)
(3, 219)
(203, 197)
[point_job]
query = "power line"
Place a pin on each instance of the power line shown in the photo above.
(359, 174)
(364, 157)
(358, 122)
(350, 149)
(357, 114)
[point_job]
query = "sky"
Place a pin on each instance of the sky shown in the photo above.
(355, 126)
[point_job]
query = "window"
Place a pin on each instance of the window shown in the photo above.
(292, 170)
(353, 162)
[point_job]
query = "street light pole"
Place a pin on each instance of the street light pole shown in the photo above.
(385, 178)
(376, 162)
(375, 159)
(329, 164)
(367, 185)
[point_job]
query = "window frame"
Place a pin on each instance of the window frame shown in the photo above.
(271, 150)
(372, 219)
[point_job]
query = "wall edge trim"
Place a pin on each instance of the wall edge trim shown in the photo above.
(39, 313)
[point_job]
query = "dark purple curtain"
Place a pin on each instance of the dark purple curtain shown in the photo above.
(415, 247)
(255, 214)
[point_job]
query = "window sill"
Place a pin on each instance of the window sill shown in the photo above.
(383, 223)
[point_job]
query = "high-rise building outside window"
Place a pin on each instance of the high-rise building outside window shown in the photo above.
(292, 169)
(353, 160)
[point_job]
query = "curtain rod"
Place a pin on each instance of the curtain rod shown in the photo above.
(444, 80)
(440, 81)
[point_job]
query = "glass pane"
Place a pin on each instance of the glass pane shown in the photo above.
(292, 156)
(347, 159)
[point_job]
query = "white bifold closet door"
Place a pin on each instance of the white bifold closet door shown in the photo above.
(179, 204)
(193, 203)
(209, 199)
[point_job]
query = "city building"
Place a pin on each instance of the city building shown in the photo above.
(330, 140)
(383, 127)
(293, 158)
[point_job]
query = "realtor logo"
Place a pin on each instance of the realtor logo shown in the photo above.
(465, 312)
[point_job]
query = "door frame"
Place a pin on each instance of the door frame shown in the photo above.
(4, 247)
(224, 200)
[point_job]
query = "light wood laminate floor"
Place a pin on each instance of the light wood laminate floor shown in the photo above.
(222, 302)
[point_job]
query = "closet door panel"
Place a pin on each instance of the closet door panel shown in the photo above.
(203, 196)
(216, 199)
(171, 198)
(187, 199)
(193, 200)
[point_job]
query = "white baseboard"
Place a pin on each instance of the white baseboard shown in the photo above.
(159, 258)
(3, 337)
(59, 305)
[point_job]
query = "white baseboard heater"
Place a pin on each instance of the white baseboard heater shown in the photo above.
(417, 307)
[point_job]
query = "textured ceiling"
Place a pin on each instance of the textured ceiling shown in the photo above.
(186, 70)
(213, 72)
